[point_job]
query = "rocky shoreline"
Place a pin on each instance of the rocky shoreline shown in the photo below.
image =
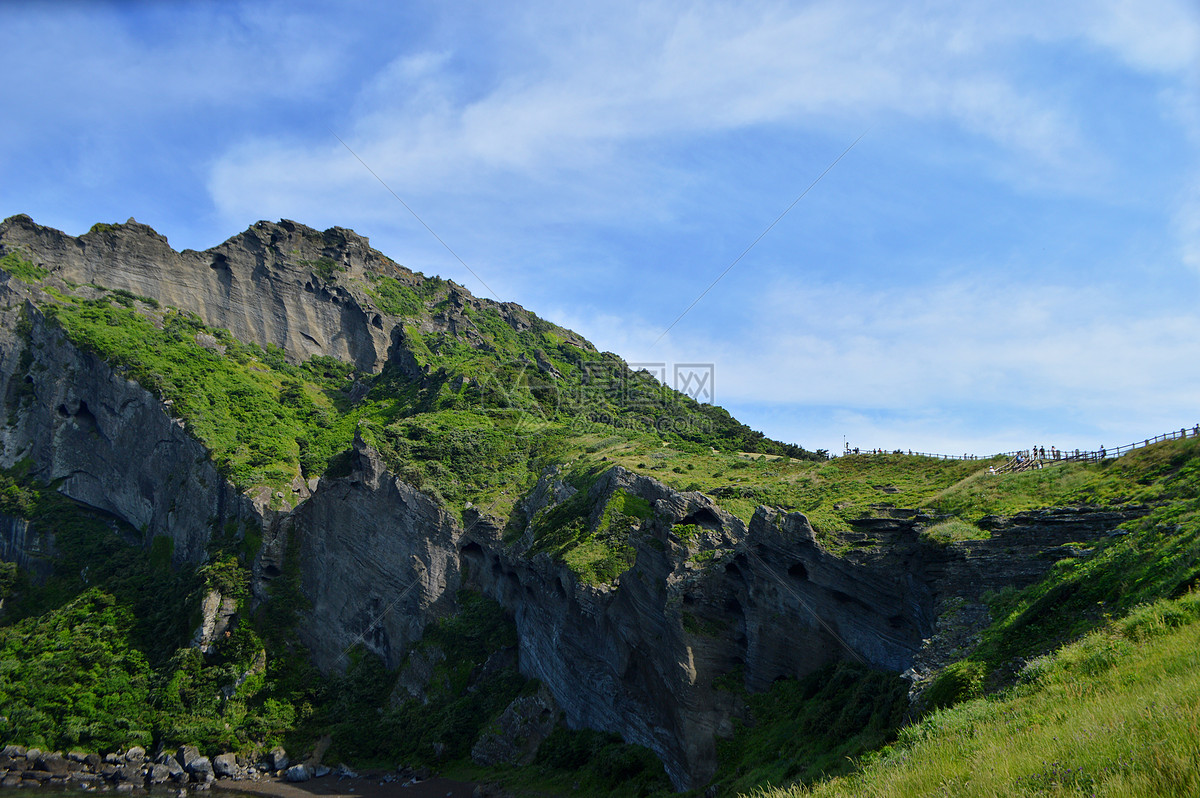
(133, 769)
(187, 770)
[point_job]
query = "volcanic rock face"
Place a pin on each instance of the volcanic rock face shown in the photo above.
(378, 560)
(709, 599)
(104, 439)
(30, 548)
(645, 657)
(281, 284)
(264, 285)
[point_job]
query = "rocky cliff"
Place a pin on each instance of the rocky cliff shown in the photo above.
(281, 284)
(650, 656)
(709, 606)
(103, 440)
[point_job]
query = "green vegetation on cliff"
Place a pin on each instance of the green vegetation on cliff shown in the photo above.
(477, 422)
(1087, 682)
(1091, 670)
(72, 678)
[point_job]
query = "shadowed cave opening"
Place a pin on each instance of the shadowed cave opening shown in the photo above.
(82, 415)
(704, 518)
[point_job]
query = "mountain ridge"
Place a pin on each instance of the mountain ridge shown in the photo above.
(655, 579)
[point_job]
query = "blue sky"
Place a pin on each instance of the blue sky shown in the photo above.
(1010, 256)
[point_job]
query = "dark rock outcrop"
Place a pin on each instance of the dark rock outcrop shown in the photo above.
(645, 657)
(378, 560)
(105, 440)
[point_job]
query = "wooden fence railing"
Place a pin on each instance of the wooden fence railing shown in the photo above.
(1023, 460)
(910, 452)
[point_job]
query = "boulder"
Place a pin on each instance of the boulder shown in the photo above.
(174, 769)
(225, 766)
(135, 754)
(200, 768)
(127, 773)
(54, 763)
(297, 773)
(13, 750)
(277, 759)
(187, 755)
(160, 773)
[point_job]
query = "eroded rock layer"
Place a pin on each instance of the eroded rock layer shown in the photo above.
(709, 602)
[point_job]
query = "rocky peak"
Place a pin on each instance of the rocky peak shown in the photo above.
(281, 284)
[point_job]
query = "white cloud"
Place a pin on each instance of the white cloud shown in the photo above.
(572, 111)
(1152, 35)
(924, 361)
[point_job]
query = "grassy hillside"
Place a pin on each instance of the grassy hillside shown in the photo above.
(1115, 714)
(1087, 682)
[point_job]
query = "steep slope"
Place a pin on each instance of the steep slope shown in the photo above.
(371, 443)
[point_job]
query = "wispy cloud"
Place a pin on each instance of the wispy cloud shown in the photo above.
(930, 358)
(1030, 176)
(659, 72)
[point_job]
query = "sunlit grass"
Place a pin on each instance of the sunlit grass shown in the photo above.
(1116, 713)
(953, 530)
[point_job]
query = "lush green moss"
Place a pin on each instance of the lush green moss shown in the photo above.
(22, 269)
(324, 267)
(392, 296)
(953, 530)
